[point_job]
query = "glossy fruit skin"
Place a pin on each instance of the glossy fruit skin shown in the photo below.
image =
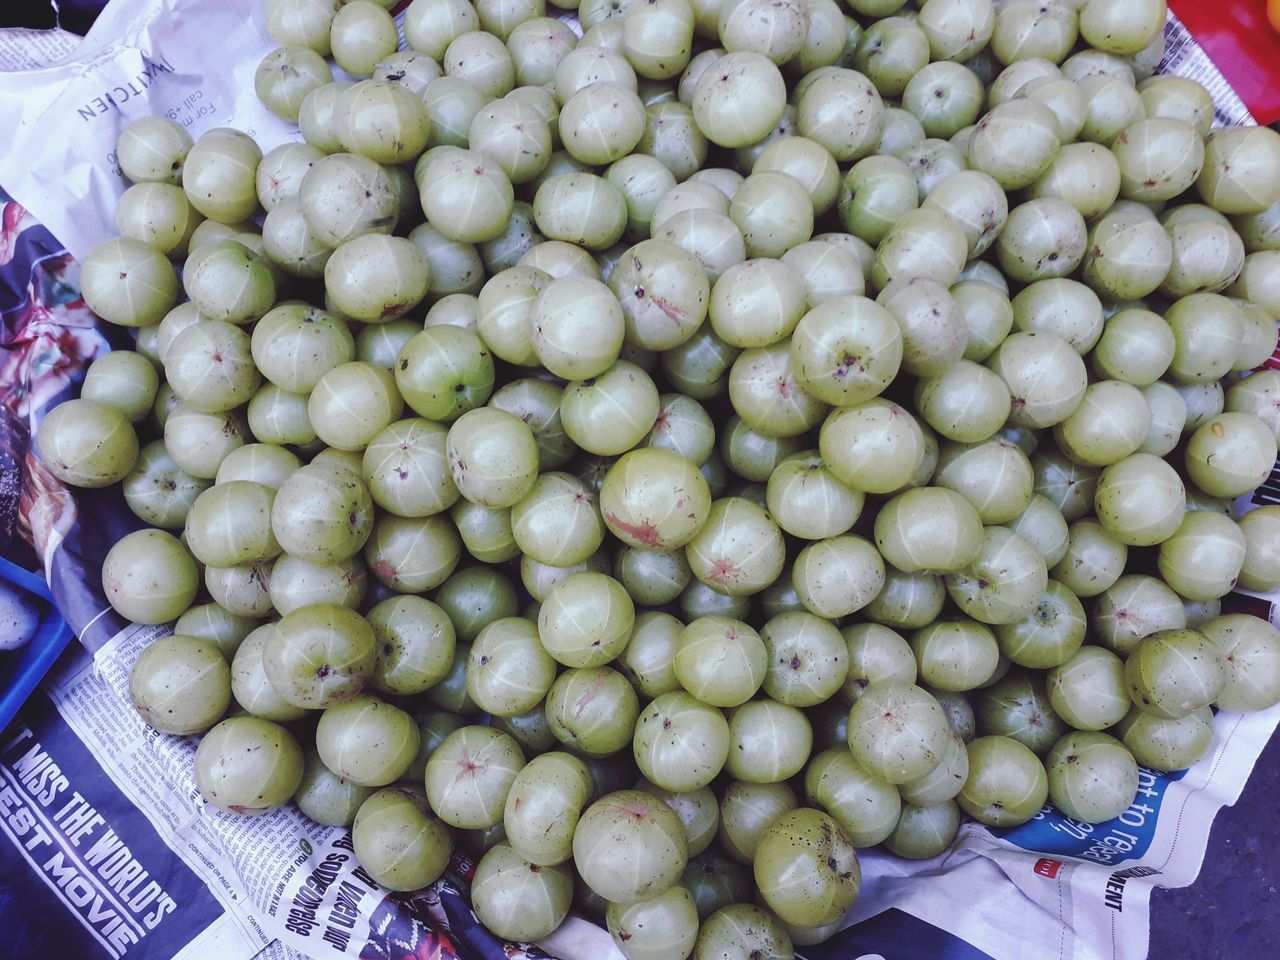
(148, 576)
(325, 797)
(586, 620)
(367, 741)
(876, 652)
(248, 766)
(543, 805)
(747, 75)
(680, 744)
(1004, 583)
(717, 555)
(433, 727)
(1044, 527)
(320, 655)
(337, 422)
(158, 491)
(219, 175)
(1225, 456)
(746, 809)
(1093, 560)
(1092, 777)
(492, 457)
(756, 303)
(344, 196)
(250, 685)
(1009, 477)
(1230, 158)
(443, 372)
(244, 590)
(1206, 332)
(323, 514)
(518, 900)
(924, 832)
(920, 729)
(416, 644)
(1140, 519)
(228, 283)
(123, 379)
(1045, 376)
(180, 684)
(1016, 706)
(865, 806)
(938, 517)
(1172, 673)
(806, 500)
(261, 463)
(1135, 607)
(838, 576)
(807, 659)
(1248, 645)
(629, 846)
(469, 775)
(1203, 559)
(653, 577)
(152, 150)
(474, 597)
(933, 328)
(86, 444)
(648, 660)
(1007, 784)
(295, 345)
(230, 524)
(612, 413)
(128, 282)
(398, 841)
(1167, 744)
(508, 671)
(698, 810)
(1088, 690)
(720, 660)
(944, 781)
(806, 868)
(298, 583)
(1050, 634)
(406, 470)
(654, 499)
(1090, 440)
(875, 447)
(592, 710)
(411, 555)
(715, 880)
(653, 929)
(208, 621)
(956, 655)
(582, 209)
(742, 929)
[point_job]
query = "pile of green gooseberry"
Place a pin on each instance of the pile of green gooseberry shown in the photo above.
(665, 460)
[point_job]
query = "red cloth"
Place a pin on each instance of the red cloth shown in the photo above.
(1242, 44)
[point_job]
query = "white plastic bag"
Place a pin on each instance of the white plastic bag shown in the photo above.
(63, 103)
